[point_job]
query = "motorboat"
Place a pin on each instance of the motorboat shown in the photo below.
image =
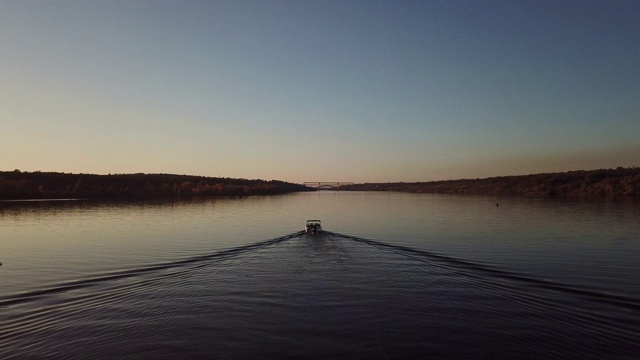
(313, 226)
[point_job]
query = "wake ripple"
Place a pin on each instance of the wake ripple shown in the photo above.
(344, 294)
(444, 262)
(602, 297)
(26, 297)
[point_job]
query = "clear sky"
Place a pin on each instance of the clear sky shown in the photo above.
(362, 91)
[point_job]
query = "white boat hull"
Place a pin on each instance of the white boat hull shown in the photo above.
(313, 227)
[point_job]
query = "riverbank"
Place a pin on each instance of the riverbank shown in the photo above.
(620, 182)
(51, 185)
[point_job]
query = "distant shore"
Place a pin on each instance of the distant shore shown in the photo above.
(16, 185)
(619, 182)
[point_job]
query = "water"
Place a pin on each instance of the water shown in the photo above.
(395, 276)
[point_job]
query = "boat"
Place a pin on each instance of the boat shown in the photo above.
(313, 226)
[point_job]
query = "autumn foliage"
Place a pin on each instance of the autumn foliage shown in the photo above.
(43, 185)
(620, 182)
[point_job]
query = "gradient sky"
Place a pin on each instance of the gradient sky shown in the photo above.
(362, 91)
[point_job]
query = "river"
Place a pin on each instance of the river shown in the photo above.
(393, 276)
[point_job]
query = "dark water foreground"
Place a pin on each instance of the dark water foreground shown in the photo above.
(326, 296)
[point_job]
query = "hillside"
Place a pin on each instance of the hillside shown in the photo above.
(620, 182)
(49, 185)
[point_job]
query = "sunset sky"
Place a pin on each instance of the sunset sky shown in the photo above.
(362, 91)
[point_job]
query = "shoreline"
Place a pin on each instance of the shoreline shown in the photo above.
(619, 183)
(17, 185)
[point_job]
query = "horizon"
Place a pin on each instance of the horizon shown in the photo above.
(357, 91)
(311, 181)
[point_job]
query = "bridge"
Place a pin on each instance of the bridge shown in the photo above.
(326, 185)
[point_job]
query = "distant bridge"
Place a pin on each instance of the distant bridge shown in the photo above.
(326, 185)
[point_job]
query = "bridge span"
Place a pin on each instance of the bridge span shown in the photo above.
(326, 185)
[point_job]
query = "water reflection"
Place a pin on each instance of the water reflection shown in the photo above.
(317, 296)
(590, 243)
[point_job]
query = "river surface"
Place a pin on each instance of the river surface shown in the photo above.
(394, 276)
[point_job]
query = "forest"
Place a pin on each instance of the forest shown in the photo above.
(619, 182)
(16, 185)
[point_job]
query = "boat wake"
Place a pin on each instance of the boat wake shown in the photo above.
(21, 298)
(473, 269)
(340, 293)
(460, 266)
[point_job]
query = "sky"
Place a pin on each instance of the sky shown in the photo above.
(359, 91)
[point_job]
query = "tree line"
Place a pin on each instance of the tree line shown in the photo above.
(619, 182)
(50, 185)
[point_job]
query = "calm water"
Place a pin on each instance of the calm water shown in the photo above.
(395, 276)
